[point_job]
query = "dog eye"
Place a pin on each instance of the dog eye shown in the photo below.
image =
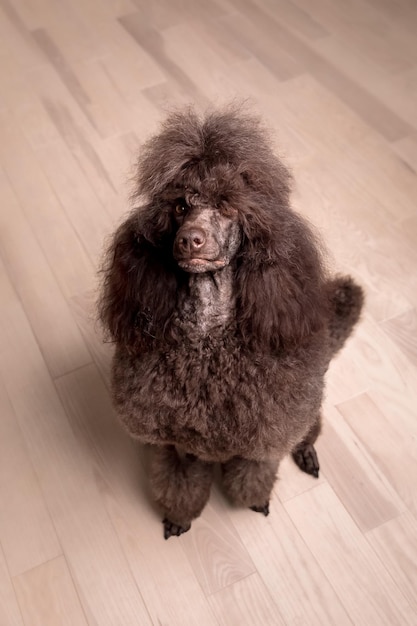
(180, 208)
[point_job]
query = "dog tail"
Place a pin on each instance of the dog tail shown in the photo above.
(346, 300)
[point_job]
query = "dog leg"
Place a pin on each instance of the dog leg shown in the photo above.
(304, 453)
(180, 486)
(249, 483)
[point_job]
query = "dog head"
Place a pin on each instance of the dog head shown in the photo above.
(209, 188)
(211, 192)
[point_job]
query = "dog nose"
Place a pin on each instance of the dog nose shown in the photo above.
(191, 240)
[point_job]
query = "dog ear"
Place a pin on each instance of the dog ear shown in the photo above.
(139, 289)
(280, 289)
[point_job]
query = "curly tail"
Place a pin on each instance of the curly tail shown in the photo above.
(346, 300)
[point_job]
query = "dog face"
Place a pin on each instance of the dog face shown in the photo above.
(207, 238)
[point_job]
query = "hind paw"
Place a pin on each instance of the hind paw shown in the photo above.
(174, 530)
(261, 509)
(306, 459)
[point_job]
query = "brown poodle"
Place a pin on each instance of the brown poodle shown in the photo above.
(223, 317)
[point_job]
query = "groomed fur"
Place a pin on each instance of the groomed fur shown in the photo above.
(223, 364)
(279, 272)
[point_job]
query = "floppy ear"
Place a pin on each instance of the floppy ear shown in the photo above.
(280, 286)
(139, 290)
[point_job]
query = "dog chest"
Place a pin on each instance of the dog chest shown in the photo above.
(213, 398)
(207, 305)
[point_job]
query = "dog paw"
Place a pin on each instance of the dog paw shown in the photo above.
(174, 530)
(307, 460)
(261, 509)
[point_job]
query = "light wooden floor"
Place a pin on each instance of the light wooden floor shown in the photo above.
(82, 83)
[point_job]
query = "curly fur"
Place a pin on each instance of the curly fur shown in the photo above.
(221, 358)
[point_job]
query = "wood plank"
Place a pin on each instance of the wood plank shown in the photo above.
(9, 609)
(68, 121)
(162, 570)
(159, 15)
(83, 150)
(359, 67)
(357, 481)
(95, 10)
(130, 72)
(391, 446)
(84, 309)
(218, 556)
(26, 14)
(53, 54)
(112, 112)
(368, 30)
(88, 217)
(65, 37)
(47, 596)
(373, 111)
(391, 377)
(151, 41)
(292, 481)
(15, 40)
(25, 545)
(364, 586)
(403, 330)
(282, 65)
(61, 343)
(296, 18)
(246, 602)
(407, 149)
(395, 542)
(287, 567)
(43, 210)
(380, 368)
(217, 34)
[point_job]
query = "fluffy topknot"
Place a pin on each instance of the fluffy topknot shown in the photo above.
(230, 138)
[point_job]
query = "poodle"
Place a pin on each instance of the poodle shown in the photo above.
(223, 315)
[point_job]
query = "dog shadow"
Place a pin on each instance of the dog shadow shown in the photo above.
(119, 463)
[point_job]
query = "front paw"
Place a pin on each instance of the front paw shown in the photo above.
(174, 530)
